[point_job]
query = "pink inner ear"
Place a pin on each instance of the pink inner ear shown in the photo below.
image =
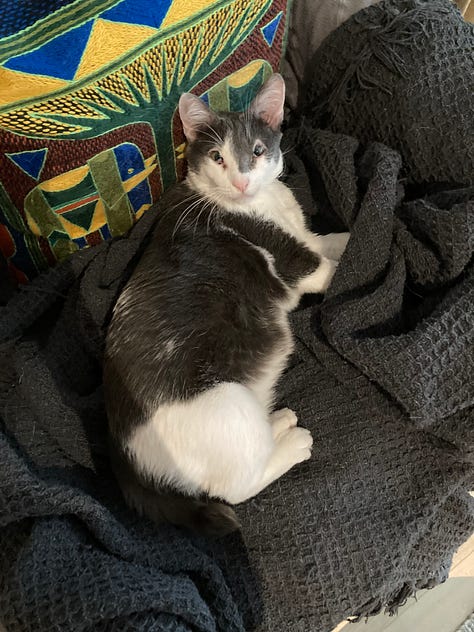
(273, 116)
(194, 114)
(269, 102)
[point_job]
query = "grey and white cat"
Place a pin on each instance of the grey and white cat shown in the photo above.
(200, 334)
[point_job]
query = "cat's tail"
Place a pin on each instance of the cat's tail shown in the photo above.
(207, 517)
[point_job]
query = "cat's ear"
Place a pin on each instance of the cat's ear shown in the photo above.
(194, 114)
(269, 102)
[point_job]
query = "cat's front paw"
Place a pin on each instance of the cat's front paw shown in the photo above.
(334, 245)
(320, 279)
(281, 420)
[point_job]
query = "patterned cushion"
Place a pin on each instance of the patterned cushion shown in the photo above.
(89, 136)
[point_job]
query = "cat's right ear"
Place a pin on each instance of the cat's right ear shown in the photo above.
(269, 102)
(194, 115)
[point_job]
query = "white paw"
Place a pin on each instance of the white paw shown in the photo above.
(297, 443)
(320, 279)
(281, 420)
(334, 245)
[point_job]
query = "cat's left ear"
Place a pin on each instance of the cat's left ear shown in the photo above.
(269, 102)
(194, 114)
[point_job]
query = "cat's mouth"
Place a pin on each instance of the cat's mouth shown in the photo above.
(244, 196)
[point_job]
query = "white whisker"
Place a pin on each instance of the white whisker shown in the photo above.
(185, 214)
(215, 136)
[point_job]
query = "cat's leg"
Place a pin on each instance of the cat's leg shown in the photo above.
(331, 246)
(320, 279)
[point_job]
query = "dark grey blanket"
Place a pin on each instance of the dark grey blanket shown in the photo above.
(382, 375)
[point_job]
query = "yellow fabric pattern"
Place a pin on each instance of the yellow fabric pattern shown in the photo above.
(182, 9)
(109, 40)
(15, 86)
(65, 180)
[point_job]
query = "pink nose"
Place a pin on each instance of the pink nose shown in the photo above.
(240, 183)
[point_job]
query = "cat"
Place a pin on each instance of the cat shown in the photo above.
(200, 335)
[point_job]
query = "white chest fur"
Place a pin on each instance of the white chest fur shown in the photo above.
(277, 204)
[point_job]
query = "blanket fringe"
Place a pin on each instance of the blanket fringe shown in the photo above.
(395, 600)
(398, 27)
(389, 605)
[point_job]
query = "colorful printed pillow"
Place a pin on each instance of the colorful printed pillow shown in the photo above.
(89, 136)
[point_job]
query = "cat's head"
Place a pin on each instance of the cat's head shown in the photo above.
(232, 156)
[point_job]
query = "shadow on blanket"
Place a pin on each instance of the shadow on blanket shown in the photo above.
(381, 374)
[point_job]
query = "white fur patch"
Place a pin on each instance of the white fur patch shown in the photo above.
(320, 279)
(200, 444)
(221, 442)
(169, 348)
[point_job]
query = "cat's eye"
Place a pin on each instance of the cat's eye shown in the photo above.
(215, 155)
(258, 150)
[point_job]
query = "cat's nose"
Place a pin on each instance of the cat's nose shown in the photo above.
(240, 183)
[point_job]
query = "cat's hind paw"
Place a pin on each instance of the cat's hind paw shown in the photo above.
(281, 420)
(297, 444)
